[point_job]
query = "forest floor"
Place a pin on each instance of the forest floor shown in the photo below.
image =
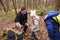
(9, 22)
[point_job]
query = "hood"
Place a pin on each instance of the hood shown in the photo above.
(52, 13)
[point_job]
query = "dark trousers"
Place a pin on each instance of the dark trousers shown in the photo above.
(25, 28)
(19, 37)
(11, 35)
(33, 36)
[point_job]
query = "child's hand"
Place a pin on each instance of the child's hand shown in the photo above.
(26, 24)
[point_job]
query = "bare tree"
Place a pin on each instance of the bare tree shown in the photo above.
(3, 6)
(24, 3)
(57, 5)
(7, 5)
(0, 7)
(14, 4)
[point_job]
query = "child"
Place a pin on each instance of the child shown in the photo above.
(34, 24)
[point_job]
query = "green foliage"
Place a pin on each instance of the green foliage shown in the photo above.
(38, 11)
(47, 9)
(9, 15)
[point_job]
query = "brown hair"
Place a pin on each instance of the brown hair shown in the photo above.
(43, 13)
(23, 8)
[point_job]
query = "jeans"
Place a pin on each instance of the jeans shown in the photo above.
(11, 35)
(33, 36)
(19, 37)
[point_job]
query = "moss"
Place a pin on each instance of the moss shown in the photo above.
(9, 15)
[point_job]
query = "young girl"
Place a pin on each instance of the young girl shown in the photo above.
(34, 24)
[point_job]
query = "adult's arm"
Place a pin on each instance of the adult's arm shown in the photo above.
(49, 25)
(17, 19)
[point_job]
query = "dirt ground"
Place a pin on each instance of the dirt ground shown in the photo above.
(42, 34)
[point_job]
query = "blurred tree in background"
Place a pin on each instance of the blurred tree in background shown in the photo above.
(11, 5)
(57, 5)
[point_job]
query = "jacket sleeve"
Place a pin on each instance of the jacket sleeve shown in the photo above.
(25, 18)
(17, 19)
(49, 25)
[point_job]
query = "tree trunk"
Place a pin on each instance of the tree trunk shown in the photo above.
(3, 6)
(0, 7)
(24, 4)
(57, 5)
(14, 4)
(7, 5)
